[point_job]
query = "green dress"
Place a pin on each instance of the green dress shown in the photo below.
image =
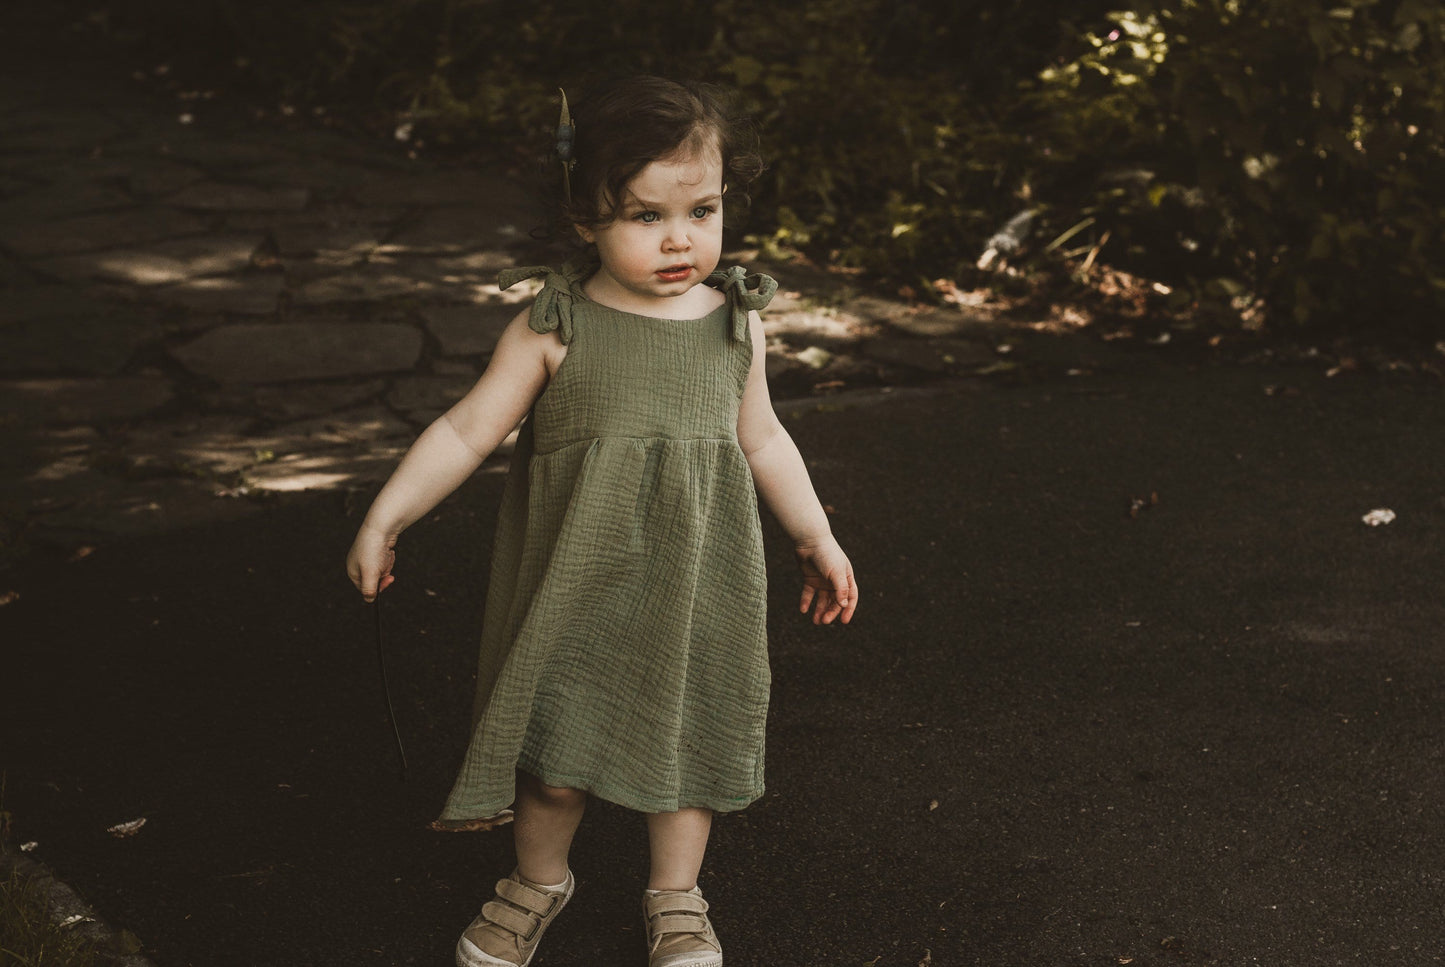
(624, 647)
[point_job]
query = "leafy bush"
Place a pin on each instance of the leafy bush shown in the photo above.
(1284, 152)
(1283, 157)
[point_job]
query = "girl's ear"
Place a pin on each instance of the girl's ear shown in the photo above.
(585, 233)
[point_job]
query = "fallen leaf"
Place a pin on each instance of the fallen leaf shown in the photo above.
(927, 958)
(81, 553)
(1139, 504)
(9, 597)
(932, 805)
(1381, 515)
(29, 847)
(122, 830)
(815, 357)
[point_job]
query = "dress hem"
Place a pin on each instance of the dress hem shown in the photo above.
(480, 819)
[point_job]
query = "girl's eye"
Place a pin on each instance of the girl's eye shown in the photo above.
(647, 218)
(702, 211)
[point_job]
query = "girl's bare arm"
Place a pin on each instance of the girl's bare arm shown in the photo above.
(450, 449)
(783, 483)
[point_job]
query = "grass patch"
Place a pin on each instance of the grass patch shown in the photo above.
(28, 936)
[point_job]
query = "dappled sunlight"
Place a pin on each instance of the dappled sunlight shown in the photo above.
(163, 264)
(194, 469)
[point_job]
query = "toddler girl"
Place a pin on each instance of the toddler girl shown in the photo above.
(624, 648)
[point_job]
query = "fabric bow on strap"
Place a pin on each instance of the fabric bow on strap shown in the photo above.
(553, 308)
(746, 293)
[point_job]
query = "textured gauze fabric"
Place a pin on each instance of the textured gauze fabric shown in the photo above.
(624, 647)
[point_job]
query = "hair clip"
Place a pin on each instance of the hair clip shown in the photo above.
(566, 141)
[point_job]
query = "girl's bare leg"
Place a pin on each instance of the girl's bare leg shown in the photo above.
(678, 841)
(545, 819)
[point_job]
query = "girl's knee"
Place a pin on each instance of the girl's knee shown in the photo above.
(554, 796)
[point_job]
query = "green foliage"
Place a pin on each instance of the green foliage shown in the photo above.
(1283, 154)
(1287, 151)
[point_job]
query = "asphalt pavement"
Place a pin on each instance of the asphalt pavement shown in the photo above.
(1056, 733)
(1132, 680)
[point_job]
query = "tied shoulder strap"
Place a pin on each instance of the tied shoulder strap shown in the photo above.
(553, 308)
(746, 293)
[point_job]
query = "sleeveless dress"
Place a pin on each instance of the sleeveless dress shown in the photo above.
(624, 643)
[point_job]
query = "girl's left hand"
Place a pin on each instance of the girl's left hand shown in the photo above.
(828, 584)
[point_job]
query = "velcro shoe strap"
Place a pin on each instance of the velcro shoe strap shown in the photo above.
(676, 902)
(678, 923)
(527, 898)
(509, 918)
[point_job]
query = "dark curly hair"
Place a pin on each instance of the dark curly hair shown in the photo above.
(625, 125)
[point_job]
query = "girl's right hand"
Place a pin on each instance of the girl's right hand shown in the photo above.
(370, 560)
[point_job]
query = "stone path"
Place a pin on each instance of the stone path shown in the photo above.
(198, 314)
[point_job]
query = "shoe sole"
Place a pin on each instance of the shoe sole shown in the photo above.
(713, 960)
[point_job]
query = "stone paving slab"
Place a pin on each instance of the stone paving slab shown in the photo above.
(277, 352)
(323, 468)
(156, 177)
(365, 283)
(162, 263)
(468, 330)
(97, 165)
(424, 398)
(461, 229)
(383, 277)
(60, 199)
(199, 445)
(94, 345)
(252, 293)
(76, 400)
(48, 301)
(206, 149)
(323, 177)
(369, 424)
(295, 401)
(274, 277)
(321, 213)
(216, 196)
(437, 187)
(88, 233)
(43, 130)
(328, 245)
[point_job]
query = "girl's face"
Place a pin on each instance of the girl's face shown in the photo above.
(665, 236)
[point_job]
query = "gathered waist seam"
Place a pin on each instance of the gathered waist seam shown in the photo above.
(538, 452)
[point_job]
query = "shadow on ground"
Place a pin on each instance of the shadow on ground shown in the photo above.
(1206, 733)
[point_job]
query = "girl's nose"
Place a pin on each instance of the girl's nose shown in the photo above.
(676, 239)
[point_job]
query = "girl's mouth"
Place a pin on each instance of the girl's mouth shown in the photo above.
(674, 273)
